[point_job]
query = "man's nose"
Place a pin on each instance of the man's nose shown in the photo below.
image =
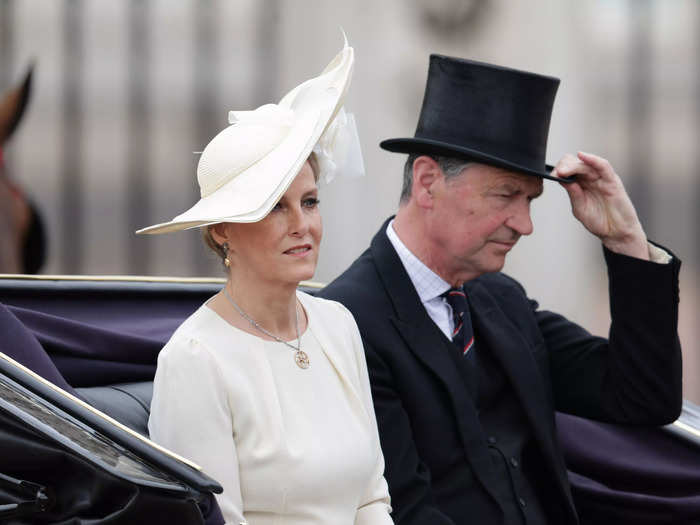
(520, 220)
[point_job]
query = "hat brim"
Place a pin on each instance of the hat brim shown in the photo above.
(239, 193)
(435, 147)
(251, 195)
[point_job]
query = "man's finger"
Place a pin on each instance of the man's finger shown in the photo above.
(567, 168)
(564, 180)
(596, 162)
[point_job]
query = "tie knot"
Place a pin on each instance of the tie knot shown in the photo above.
(457, 299)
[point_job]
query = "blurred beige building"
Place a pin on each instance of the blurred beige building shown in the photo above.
(125, 92)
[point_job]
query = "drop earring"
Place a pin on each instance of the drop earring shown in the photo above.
(227, 261)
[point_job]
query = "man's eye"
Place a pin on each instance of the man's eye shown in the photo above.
(310, 203)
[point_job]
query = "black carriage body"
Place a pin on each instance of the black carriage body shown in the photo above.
(61, 461)
(102, 337)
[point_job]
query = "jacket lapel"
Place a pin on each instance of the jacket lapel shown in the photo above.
(498, 335)
(429, 345)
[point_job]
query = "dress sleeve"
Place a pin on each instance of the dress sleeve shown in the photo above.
(190, 415)
(374, 508)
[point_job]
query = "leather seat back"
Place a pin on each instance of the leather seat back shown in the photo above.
(128, 403)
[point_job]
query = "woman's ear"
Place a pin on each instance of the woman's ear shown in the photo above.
(219, 233)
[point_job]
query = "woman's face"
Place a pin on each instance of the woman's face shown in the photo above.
(283, 247)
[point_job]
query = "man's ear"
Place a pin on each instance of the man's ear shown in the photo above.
(219, 233)
(426, 174)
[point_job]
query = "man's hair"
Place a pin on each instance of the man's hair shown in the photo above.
(450, 166)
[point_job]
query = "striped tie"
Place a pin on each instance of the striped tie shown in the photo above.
(463, 334)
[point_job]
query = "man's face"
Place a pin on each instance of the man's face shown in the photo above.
(477, 217)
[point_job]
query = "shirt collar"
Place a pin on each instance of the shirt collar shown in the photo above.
(427, 283)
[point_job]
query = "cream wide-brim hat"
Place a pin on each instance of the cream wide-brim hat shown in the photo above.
(246, 168)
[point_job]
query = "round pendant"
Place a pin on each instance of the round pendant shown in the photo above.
(301, 359)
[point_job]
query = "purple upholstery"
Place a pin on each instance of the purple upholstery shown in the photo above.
(630, 475)
(18, 342)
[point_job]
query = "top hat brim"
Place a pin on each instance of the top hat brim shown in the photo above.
(436, 147)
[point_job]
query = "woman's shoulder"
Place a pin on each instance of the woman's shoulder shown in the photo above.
(332, 324)
(191, 338)
(324, 308)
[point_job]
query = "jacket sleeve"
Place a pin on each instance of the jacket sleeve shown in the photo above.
(634, 376)
(190, 415)
(410, 478)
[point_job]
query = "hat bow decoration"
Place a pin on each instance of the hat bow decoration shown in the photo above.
(338, 150)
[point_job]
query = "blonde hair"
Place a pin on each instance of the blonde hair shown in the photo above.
(206, 231)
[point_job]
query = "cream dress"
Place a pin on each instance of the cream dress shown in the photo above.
(289, 446)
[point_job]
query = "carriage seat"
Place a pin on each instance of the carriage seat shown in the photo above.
(128, 403)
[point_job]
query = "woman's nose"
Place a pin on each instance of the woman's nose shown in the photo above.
(298, 221)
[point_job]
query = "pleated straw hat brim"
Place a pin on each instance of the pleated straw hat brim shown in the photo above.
(247, 167)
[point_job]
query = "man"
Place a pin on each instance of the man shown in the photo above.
(466, 372)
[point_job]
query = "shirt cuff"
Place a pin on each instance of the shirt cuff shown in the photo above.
(658, 255)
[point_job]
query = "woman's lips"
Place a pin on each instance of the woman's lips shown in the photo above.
(299, 251)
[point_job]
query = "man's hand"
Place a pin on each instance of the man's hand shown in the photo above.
(600, 202)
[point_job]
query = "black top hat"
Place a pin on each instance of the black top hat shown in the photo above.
(486, 113)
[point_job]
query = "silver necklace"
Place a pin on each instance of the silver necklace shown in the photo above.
(300, 357)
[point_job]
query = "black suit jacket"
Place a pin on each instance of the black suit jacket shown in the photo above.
(437, 464)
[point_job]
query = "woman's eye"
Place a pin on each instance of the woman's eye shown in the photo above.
(310, 203)
(277, 207)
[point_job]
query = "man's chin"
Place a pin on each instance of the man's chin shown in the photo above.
(495, 265)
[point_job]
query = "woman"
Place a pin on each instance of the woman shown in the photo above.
(264, 386)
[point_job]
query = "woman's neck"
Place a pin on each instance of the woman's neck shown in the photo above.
(272, 305)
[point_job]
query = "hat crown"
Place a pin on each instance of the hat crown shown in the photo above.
(484, 112)
(493, 109)
(251, 136)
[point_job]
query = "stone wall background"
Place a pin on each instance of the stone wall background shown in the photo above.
(125, 92)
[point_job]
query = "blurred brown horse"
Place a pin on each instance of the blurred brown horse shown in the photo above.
(22, 238)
